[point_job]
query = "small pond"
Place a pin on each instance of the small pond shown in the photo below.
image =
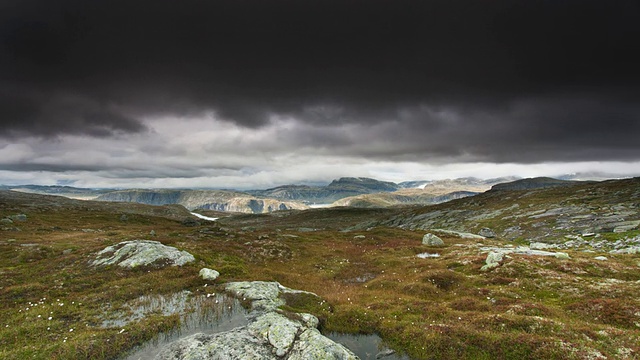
(200, 314)
(366, 346)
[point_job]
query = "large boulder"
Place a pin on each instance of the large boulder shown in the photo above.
(432, 240)
(270, 334)
(131, 254)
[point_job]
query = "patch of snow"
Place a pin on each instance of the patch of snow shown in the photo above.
(427, 255)
(319, 206)
(203, 217)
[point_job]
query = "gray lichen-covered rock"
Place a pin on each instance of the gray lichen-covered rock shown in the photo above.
(229, 345)
(493, 260)
(274, 328)
(270, 333)
(486, 232)
(432, 240)
(208, 274)
(130, 254)
(314, 346)
(6, 221)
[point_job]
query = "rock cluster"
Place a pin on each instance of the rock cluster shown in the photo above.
(270, 333)
(496, 255)
(131, 254)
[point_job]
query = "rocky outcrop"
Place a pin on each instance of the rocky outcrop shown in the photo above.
(270, 334)
(131, 254)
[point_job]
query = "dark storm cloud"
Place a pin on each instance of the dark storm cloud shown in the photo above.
(503, 80)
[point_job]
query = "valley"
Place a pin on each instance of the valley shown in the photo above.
(562, 284)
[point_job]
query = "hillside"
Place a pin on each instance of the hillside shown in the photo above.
(66, 191)
(548, 214)
(400, 197)
(533, 183)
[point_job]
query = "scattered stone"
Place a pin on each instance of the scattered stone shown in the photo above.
(18, 217)
(124, 217)
(67, 251)
(432, 240)
(191, 222)
(524, 250)
(486, 232)
(493, 260)
(6, 221)
(131, 254)
(209, 274)
(359, 237)
(601, 258)
(629, 250)
(152, 233)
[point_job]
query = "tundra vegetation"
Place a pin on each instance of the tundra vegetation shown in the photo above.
(362, 263)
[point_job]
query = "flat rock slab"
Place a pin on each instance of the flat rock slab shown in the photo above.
(131, 254)
(460, 234)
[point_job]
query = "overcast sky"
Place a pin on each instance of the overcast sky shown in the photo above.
(258, 93)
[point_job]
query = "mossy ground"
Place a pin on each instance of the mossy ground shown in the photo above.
(52, 301)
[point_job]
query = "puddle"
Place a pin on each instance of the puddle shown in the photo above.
(366, 346)
(427, 255)
(200, 314)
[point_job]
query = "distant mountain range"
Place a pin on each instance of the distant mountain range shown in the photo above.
(346, 191)
(220, 200)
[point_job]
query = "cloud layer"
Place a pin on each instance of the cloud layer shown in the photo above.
(429, 82)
